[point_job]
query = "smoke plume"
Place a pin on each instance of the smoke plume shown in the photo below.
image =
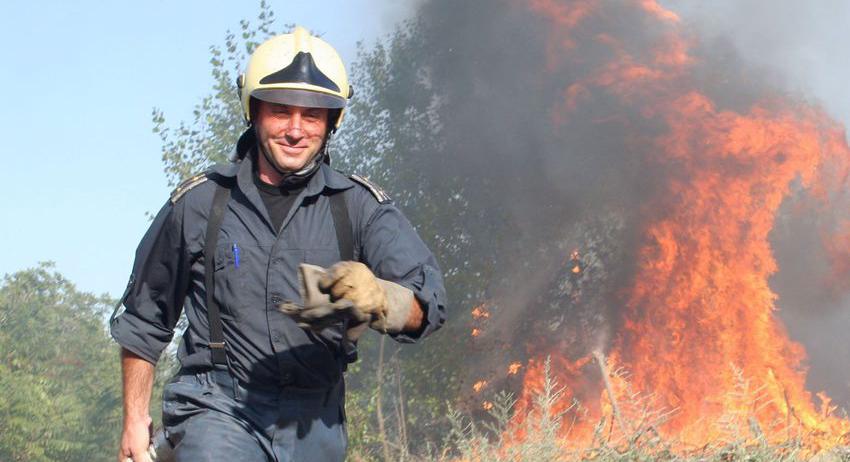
(623, 166)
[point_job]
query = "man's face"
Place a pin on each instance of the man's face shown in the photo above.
(289, 135)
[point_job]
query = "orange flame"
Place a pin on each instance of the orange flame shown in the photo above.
(479, 385)
(480, 312)
(699, 317)
(514, 368)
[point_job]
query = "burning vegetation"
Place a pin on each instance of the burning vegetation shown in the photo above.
(695, 349)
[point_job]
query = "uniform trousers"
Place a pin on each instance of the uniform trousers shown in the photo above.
(211, 416)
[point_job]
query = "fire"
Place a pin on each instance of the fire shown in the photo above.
(514, 368)
(479, 385)
(698, 322)
(714, 244)
(480, 312)
(479, 316)
(574, 263)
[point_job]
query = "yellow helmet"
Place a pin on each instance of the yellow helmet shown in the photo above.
(297, 69)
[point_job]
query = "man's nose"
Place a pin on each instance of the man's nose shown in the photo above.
(295, 130)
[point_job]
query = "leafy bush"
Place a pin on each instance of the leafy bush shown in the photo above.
(59, 371)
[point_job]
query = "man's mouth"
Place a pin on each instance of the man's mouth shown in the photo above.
(290, 149)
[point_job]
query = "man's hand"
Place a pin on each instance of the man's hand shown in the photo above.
(355, 282)
(135, 441)
(350, 291)
(137, 377)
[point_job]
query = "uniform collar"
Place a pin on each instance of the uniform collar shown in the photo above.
(327, 179)
(324, 178)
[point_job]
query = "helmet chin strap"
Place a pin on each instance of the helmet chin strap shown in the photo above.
(294, 178)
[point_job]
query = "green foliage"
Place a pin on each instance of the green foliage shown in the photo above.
(59, 371)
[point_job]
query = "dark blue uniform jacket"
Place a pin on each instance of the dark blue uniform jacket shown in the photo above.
(255, 270)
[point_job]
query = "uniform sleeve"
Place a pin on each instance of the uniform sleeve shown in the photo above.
(154, 296)
(394, 252)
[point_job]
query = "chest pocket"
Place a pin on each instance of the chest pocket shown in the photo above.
(230, 280)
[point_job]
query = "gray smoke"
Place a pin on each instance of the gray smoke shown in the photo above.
(536, 189)
(802, 44)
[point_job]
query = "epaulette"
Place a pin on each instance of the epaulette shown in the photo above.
(188, 184)
(380, 195)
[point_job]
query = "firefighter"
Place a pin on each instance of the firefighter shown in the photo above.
(279, 262)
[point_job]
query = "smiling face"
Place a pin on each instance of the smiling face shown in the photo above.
(289, 136)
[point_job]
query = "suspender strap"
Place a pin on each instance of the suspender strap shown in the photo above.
(342, 224)
(219, 204)
(345, 239)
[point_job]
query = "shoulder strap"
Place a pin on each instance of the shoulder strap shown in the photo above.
(342, 225)
(219, 204)
(380, 195)
(187, 185)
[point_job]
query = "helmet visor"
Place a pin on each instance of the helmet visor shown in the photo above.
(303, 98)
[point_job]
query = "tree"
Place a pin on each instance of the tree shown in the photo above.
(59, 371)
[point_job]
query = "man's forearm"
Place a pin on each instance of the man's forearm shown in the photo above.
(415, 318)
(137, 375)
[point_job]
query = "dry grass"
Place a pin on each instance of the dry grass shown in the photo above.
(490, 440)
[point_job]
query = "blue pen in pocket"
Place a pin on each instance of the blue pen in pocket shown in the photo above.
(235, 255)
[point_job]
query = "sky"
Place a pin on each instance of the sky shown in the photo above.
(82, 166)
